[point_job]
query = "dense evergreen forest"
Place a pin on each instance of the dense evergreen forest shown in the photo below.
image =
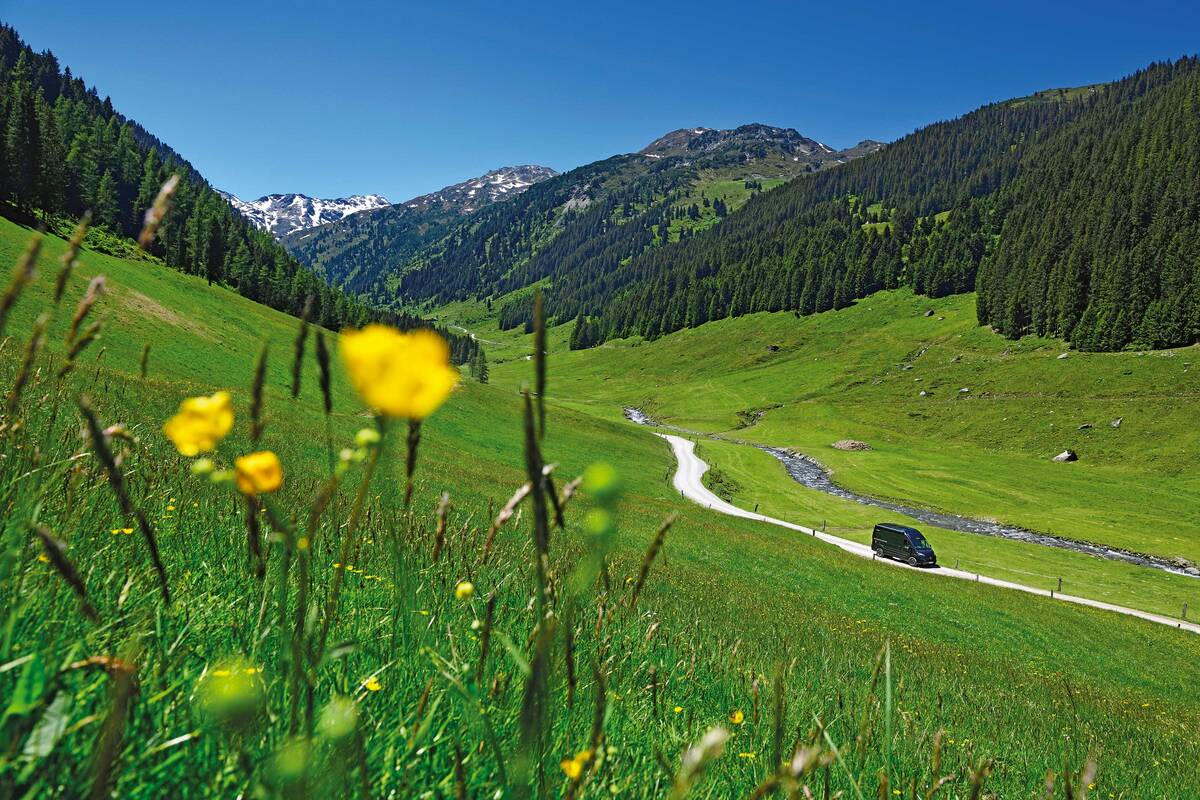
(64, 151)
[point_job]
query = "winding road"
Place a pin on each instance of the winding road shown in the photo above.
(688, 482)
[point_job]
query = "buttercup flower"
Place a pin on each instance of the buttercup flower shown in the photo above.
(258, 473)
(464, 590)
(737, 717)
(573, 767)
(200, 423)
(399, 374)
(372, 684)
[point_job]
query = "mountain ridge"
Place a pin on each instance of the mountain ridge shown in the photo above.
(396, 230)
(684, 181)
(284, 213)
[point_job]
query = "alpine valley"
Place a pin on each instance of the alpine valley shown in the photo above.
(739, 466)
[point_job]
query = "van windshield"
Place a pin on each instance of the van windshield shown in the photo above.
(917, 540)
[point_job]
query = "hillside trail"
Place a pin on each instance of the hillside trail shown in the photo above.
(687, 481)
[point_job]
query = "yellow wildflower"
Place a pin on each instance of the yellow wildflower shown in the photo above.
(200, 423)
(737, 717)
(678, 709)
(464, 590)
(573, 767)
(372, 684)
(258, 473)
(399, 374)
(749, 756)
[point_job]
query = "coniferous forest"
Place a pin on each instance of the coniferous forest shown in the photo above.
(65, 151)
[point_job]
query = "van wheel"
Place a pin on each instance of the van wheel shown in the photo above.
(912, 561)
(879, 552)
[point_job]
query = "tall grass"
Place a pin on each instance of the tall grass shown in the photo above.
(378, 642)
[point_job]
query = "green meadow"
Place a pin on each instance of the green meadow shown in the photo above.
(859, 373)
(882, 680)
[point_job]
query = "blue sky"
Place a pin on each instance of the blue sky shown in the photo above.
(402, 98)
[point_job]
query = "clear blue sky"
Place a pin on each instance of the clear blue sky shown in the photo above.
(400, 98)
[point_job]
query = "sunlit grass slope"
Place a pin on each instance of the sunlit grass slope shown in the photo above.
(1024, 683)
(986, 452)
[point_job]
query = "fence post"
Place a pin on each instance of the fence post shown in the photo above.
(1184, 615)
(1060, 585)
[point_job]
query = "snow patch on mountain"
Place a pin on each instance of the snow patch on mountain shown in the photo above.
(281, 214)
(492, 187)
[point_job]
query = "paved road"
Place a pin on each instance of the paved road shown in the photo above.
(687, 482)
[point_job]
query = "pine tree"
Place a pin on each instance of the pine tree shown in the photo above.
(21, 145)
(481, 365)
(105, 211)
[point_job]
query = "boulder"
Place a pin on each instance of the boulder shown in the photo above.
(851, 444)
(1085, 426)
(772, 348)
(964, 390)
(1066, 455)
(929, 313)
(1116, 423)
(1063, 355)
(923, 393)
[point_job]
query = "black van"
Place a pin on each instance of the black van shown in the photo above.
(902, 543)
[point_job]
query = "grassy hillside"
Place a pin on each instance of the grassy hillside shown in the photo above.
(1019, 684)
(859, 374)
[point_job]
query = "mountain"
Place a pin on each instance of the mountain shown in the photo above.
(281, 214)
(491, 187)
(285, 215)
(1075, 213)
(390, 234)
(67, 152)
(748, 142)
(680, 184)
